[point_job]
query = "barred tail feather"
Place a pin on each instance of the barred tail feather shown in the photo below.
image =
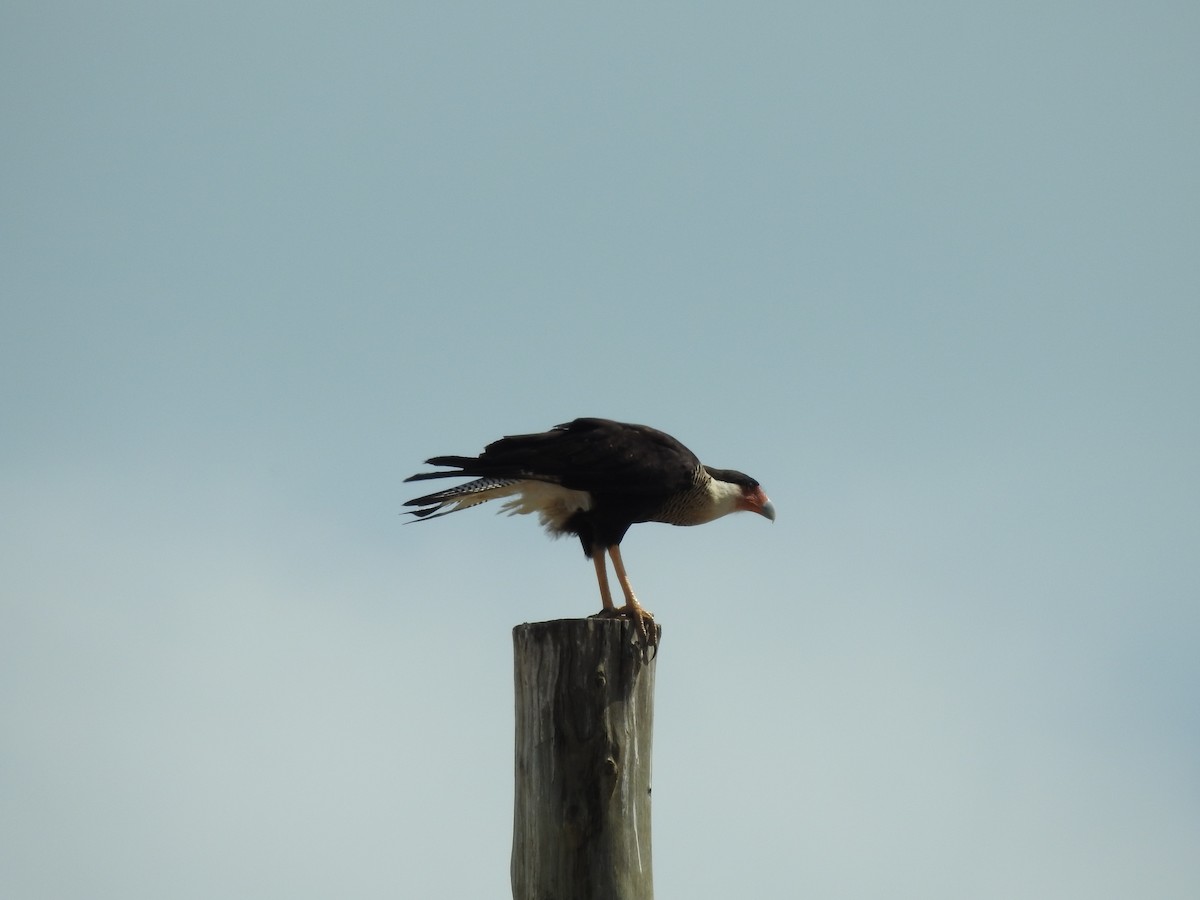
(554, 505)
(464, 496)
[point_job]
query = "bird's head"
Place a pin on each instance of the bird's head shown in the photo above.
(744, 492)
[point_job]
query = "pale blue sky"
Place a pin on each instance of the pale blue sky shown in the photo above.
(930, 272)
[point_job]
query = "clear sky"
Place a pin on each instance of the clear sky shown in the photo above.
(930, 272)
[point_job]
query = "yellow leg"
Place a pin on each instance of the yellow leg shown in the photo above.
(622, 578)
(602, 578)
(632, 609)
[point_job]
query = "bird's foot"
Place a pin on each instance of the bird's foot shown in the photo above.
(648, 630)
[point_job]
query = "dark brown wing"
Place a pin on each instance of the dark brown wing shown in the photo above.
(603, 457)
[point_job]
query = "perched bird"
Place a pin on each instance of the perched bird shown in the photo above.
(594, 478)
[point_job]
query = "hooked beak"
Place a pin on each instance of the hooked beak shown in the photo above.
(757, 501)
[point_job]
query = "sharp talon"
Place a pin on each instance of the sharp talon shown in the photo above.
(647, 628)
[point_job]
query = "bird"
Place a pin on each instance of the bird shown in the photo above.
(594, 478)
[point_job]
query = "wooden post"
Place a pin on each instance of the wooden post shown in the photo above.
(584, 725)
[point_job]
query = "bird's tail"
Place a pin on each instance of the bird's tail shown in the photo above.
(463, 465)
(462, 496)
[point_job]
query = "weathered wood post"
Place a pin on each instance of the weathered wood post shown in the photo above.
(584, 728)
